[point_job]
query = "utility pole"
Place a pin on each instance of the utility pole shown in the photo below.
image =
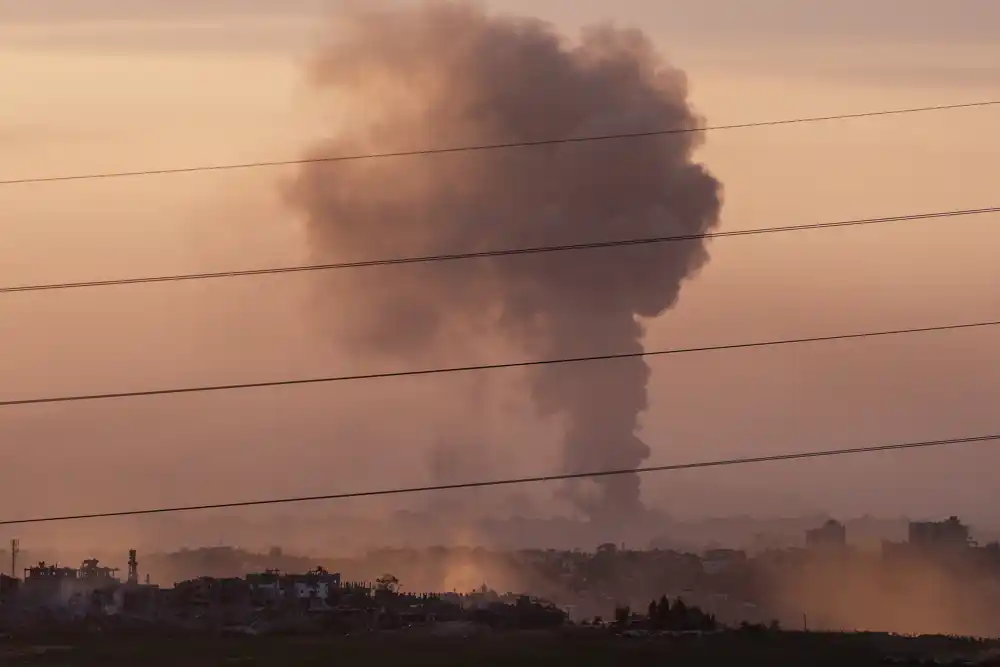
(15, 547)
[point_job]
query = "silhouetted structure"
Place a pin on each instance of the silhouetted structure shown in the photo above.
(133, 568)
(831, 534)
(92, 570)
(317, 584)
(52, 586)
(934, 535)
(15, 549)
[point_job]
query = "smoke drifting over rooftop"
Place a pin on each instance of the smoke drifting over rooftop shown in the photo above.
(450, 74)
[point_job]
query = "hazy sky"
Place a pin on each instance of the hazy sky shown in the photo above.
(102, 85)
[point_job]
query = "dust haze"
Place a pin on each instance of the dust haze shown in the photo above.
(869, 592)
(451, 74)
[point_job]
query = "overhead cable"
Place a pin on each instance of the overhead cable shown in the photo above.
(495, 366)
(791, 456)
(485, 147)
(141, 280)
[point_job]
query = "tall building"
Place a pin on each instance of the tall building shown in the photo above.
(830, 534)
(949, 534)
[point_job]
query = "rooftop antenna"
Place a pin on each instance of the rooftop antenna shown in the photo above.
(15, 548)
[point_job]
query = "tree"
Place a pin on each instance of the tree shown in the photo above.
(663, 611)
(387, 582)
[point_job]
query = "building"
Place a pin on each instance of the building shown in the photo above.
(46, 572)
(831, 534)
(266, 585)
(48, 585)
(949, 534)
(90, 585)
(315, 584)
(92, 570)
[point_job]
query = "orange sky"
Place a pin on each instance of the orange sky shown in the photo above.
(90, 96)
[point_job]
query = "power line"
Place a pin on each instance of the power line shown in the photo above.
(493, 253)
(792, 456)
(485, 147)
(483, 367)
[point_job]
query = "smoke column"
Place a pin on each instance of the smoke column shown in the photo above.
(449, 74)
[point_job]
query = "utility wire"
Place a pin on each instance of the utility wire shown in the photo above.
(483, 367)
(792, 456)
(494, 253)
(484, 147)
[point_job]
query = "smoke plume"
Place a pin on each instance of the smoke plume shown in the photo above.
(450, 74)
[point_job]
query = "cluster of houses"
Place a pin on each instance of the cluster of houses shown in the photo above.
(317, 599)
(51, 586)
(312, 589)
(93, 588)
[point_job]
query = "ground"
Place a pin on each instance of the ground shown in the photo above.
(400, 649)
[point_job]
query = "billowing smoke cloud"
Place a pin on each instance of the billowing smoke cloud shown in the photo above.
(450, 74)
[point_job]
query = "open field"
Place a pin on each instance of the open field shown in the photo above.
(577, 648)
